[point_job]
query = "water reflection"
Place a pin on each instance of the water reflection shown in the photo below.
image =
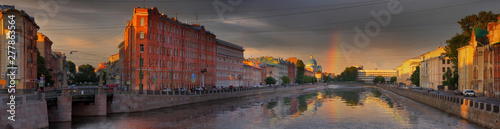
(345, 107)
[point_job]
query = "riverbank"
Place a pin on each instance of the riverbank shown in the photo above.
(123, 103)
(484, 114)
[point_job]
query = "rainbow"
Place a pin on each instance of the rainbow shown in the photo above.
(333, 56)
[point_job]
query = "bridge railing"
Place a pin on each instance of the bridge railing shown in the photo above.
(18, 91)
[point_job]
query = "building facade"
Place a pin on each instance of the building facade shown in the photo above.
(229, 64)
(367, 76)
(432, 68)
(405, 70)
(251, 76)
(432, 71)
(160, 51)
(25, 52)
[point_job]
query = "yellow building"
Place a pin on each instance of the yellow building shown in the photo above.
(408, 67)
(465, 60)
(405, 70)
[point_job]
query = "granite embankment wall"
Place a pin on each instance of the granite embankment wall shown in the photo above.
(484, 114)
(134, 103)
(30, 112)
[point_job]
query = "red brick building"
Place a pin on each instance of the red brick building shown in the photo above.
(25, 44)
(170, 50)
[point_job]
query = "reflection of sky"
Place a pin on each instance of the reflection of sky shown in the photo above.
(323, 110)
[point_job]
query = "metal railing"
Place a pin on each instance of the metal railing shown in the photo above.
(208, 91)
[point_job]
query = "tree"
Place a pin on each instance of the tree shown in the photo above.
(477, 21)
(270, 80)
(349, 74)
(300, 72)
(415, 77)
(326, 78)
(72, 71)
(285, 80)
(451, 49)
(393, 79)
(43, 70)
(86, 74)
(467, 24)
(379, 79)
(451, 79)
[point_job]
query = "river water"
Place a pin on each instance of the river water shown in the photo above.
(319, 108)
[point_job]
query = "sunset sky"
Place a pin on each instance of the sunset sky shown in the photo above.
(278, 28)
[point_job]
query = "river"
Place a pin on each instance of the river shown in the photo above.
(318, 108)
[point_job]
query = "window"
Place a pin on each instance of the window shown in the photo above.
(448, 61)
(444, 69)
(141, 35)
(141, 48)
(142, 21)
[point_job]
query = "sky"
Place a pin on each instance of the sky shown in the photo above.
(339, 33)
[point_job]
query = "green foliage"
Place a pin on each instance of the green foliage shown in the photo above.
(86, 74)
(480, 20)
(43, 70)
(393, 79)
(72, 71)
(349, 74)
(270, 80)
(379, 79)
(326, 78)
(285, 80)
(451, 79)
(467, 24)
(300, 72)
(415, 76)
(451, 50)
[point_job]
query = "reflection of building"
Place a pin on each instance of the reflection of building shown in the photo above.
(432, 69)
(367, 76)
(160, 51)
(25, 53)
(229, 68)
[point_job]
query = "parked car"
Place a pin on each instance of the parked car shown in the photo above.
(418, 88)
(468, 92)
(431, 89)
(458, 92)
(167, 89)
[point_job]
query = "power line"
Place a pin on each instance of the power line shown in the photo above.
(350, 21)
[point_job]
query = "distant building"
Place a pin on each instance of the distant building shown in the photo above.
(26, 47)
(113, 73)
(312, 65)
(432, 69)
(229, 68)
(251, 75)
(367, 76)
(405, 70)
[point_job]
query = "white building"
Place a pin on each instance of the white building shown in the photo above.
(367, 76)
(432, 71)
